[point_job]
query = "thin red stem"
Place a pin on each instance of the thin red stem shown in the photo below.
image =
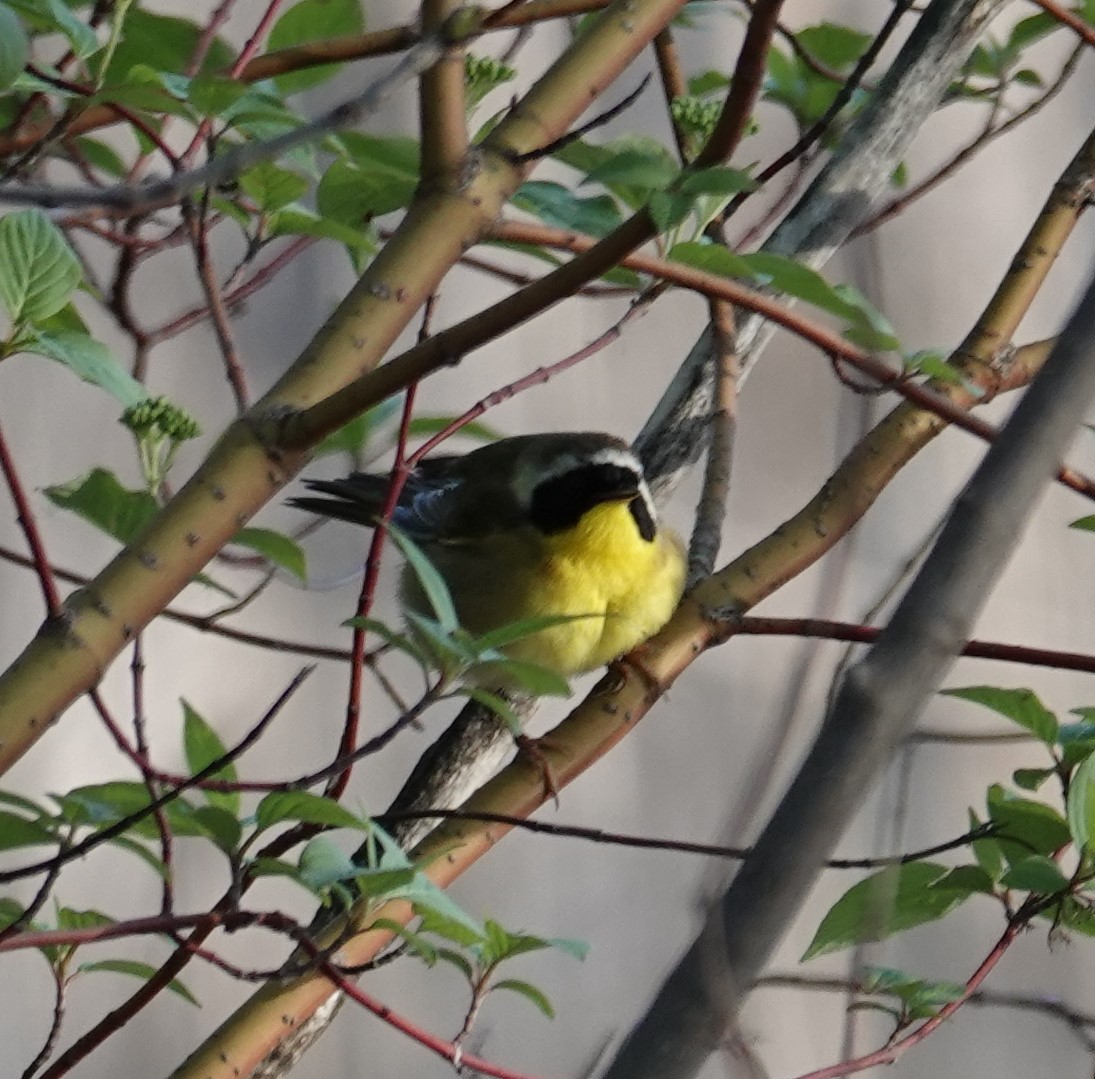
(29, 525)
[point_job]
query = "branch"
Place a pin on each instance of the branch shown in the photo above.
(129, 200)
(611, 711)
(837, 200)
(1083, 30)
(245, 469)
(875, 709)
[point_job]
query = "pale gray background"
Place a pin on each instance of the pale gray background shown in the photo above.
(680, 773)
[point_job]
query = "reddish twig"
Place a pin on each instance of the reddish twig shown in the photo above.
(27, 522)
(123, 824)
(54, 1031)
(811, 136)
(445, 1049)
(534, 378)
(1068, 18)
(202, 623)
(247, 53)
(990, 134)
(199, 235)
(137, 669)
(896, 1049)
(262, 276)
(857, 634)
(745, 85)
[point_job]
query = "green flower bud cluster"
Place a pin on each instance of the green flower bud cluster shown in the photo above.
(159, 427)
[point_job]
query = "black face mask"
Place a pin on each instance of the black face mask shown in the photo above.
(561, 502)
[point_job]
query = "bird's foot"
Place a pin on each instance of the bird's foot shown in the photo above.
(530, 749)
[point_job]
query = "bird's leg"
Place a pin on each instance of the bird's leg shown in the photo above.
(529, 748)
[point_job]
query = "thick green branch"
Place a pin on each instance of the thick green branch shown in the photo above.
(245, 469)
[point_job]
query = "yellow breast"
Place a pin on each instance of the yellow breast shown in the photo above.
(622, 588)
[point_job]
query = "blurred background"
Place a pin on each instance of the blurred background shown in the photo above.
(683, 773)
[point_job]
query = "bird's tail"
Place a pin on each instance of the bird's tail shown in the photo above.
(358, 498)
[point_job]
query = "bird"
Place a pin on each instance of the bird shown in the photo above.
(544, 526)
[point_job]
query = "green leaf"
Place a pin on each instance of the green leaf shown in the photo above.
(785, 275)
(1072, 914)
(496, 704)
(897, 898)
(294, 220)
(215, 95)
(968, 879)
(531, 677)
(1084, 524)
(1077, 740)
(1021, 706)
(708, 82)
(421, 891)
(457, 930)
(322, 864)
(529, 992)
(92, 361)
(1027, 31)
(668, 209)
(717, 181)
(312, 20)
(14, 47)
(275, 547)
(448, 651)
(133, 846)
(1035, 874)
(101, 804)
(498, 639)
(920, 999)
(202, 745)
(930, 997)
(1025, 827)
(425, 426)
(78, 34)
(17, 801)
(273, 187)
(1028, 77)
(272, 867)
(351, 437)
(390, 637)
(165, 44)
(353, 196)
(1081, 806)
(934, 363)
(383, 883)
(38, 271)
(835, 45)
(432, 583)
(634, 168)
(67, 320)
(987, 851)
(10, 911)
(220, 825)
(136, 969)
(17, 831)
(281, 806)
(888, 980)
(70, 918)
(559, 207)
(711, 258)
(102, 501)
(1030, 779)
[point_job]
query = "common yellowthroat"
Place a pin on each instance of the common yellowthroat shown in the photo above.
(536, 525)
